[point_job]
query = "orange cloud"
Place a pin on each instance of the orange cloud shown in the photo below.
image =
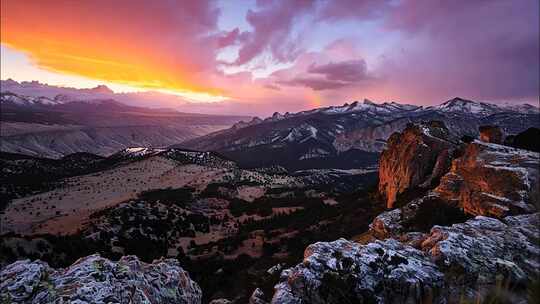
(146, 44)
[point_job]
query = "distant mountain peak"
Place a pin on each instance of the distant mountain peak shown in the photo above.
(101, 89)
(461, 105)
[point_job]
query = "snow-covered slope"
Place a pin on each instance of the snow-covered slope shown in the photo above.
(33, 91)
(49, 121)
(331, 131)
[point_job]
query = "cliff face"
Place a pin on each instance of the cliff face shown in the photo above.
(94, 279)
(414, 158)
(487, 179)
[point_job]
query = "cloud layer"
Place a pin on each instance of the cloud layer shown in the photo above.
(315, 52)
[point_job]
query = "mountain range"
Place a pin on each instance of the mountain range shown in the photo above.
(351, 135)
(49, 121)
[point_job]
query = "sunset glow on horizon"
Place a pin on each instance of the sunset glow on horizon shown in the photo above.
(278, 55)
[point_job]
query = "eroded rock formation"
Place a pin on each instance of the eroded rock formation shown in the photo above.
(492, 180)
(94, 279)
(417, 157)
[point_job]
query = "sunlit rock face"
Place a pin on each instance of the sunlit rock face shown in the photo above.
(94, 279)
(460, 261)
(493, 180)
(417, 157)
(487, 179)
(491, 134)
(483, 178)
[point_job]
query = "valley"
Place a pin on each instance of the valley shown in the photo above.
(193, 206)
(49, 121)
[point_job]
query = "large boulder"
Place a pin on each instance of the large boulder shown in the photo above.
(493, 180)
(419, 215)
(346, 272)
(417, 157)
(463, 261)
(94, 279)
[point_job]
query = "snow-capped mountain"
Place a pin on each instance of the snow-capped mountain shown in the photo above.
(22, 100)
(463, 106)
(48, 121)
(32, 92)
(347, 134)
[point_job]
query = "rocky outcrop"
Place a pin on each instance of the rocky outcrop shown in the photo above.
(417, 157)
(419, 215)
(488, 179)
(463, 261)
(493, 180)
(94, 279)
(257, 297)
(483, 179)
(343, 271)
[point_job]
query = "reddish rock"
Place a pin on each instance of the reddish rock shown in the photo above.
(492, 180)
(417, 157)
(491, 134)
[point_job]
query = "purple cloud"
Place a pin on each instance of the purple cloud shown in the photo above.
(315, 83)
(272, 24)
(479, 49)
(326, 76)
(345, 71)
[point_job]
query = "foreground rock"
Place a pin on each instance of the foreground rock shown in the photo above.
(416, 157)
(464, 260)
(94, 279)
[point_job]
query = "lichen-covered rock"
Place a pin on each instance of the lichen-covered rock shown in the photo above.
(257, 297)
(345, 272)
(493, 180)
(487, 248)
(387, 224)
(462, 260)
(94, 279)
(416, 157)
(420, 215)
(220, 301)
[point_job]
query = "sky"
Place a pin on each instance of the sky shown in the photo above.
(260, 56)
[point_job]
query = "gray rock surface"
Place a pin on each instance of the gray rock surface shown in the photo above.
(94, 279)
(462, 260)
